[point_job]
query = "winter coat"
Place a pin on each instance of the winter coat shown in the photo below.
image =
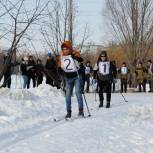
(111, 73)
(150, 73)
(23, 68)
(31, 68)
(51, 65)
(39, 69)
(140, 74)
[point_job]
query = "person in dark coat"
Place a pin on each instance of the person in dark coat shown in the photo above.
(31, 68)
(115, 74)
(105, 75)
(7, 73)
(51, 71)
(24, 72)
(39, 72)
(82, 73)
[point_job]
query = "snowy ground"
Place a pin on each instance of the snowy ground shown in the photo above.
(27, 126)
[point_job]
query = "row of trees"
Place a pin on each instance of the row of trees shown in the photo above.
(19, 20)
(132, 24)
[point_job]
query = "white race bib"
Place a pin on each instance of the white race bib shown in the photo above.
(104, 68)
(124, 70)
(69, 64)
(87, 70)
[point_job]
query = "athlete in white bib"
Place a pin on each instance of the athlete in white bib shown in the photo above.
(105, 76)
(88, 71)
(123, 71)
(69, 69)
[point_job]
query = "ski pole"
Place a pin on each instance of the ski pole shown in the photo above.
(123, 97)
(89, 114)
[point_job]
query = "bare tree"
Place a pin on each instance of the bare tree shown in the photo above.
(19, 18)
(132, 22)
(59, 25)
(55, 29)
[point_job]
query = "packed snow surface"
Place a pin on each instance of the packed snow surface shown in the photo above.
(27, 123)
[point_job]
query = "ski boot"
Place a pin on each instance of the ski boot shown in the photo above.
(68, 115)
(108, 104)
(101, 104)
(81, 113)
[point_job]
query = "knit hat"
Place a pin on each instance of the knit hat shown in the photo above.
(103, 53)
(49, 54)
(66, 44)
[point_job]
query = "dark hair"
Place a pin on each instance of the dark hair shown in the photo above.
(103, 53)
(38, 60)
(87, 62)
(150, 61)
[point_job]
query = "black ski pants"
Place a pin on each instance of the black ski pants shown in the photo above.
(105, 86)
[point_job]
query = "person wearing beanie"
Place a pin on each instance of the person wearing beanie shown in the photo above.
(68, 67)
(105, 73)
(49, 54)
(50, 70)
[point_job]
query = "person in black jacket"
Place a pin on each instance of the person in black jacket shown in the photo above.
(7, 74)
(24, 72)
(31, 68)
(114, 75)
(105, 75)
(51, 70)
(39, 72)
(82, 73)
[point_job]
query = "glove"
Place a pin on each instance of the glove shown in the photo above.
(73, 56)
(60, 71)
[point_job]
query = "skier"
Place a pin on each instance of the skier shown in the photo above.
(123, 71)
(105, 75)
(68, 64)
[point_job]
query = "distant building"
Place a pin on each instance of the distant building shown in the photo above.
(91, 47)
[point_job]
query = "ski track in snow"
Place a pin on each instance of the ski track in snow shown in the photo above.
(27, 126)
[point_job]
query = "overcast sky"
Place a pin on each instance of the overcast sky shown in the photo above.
(89, 12)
